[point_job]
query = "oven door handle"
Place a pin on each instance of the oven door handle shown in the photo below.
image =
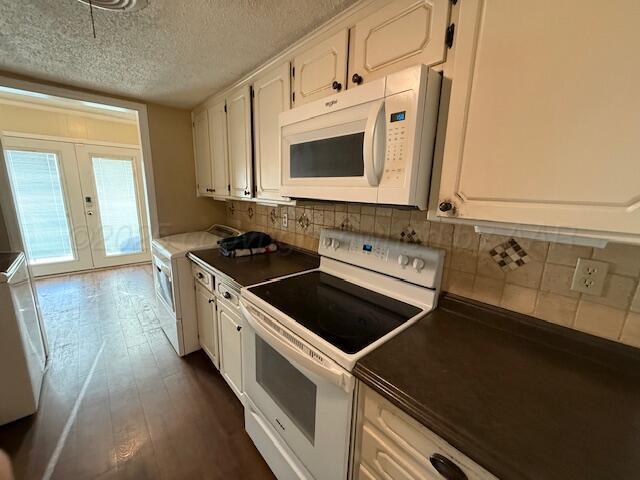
(331, 371)
(373, 144)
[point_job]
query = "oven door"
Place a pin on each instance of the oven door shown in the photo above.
(335, 151)
(306, 401)
(164, 283)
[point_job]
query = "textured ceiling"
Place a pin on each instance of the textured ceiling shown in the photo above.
(174, 52)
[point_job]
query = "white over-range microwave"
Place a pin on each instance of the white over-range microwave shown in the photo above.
(372, 144)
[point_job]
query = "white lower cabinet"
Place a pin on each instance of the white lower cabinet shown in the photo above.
(392, 445)
(230, 326)
(207, 322)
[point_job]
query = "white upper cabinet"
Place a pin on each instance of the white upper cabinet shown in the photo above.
(201, 153)
(397, 36)
(544, 115)
(239, 139)
(271, 93)
(219, 153)
(321, 70)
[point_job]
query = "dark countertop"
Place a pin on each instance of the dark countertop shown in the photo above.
(524, 398)
(7, 259)
(259, 268)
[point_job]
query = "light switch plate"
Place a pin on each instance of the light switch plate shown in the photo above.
(285, 220)
(589, 276)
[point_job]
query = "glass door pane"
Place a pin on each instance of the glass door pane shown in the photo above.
(118, 205)
(40, 202)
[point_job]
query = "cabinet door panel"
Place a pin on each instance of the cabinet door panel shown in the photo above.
(207, 331)
(231, 347)
(271, 97)
(239, 134)
(317, 68)
(201, 153)
(402, 34)
(219, 154)
(536, 133)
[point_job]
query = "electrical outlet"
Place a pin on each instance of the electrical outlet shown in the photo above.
(589, 276)
(285, 220)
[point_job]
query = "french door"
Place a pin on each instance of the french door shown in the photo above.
(79, 206)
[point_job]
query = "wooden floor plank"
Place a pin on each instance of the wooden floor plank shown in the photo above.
(146, 413)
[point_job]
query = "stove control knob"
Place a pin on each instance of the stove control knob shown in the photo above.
(403, 260)
(418, 264)
(327, 242)
(335, 243)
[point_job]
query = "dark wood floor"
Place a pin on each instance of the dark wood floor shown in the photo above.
(146, 412)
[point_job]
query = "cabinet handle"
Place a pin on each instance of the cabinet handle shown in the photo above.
(200, 275)
(211, 300)
(226, 295)
(357, 79)
(445, 206)
(337, 86)
(446, 468)
(238, 328)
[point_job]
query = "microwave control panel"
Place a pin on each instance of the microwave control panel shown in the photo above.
(400, 118)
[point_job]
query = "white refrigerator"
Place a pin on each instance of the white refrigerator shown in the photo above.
(23, 352)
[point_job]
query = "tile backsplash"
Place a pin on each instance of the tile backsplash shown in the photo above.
(539, 286)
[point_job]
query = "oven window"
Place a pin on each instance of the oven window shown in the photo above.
(293, 392)
(164, 286)
(330, 157)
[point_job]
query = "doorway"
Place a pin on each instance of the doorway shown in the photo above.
(79, 206)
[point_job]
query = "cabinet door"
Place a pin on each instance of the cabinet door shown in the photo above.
(402, 34)
(239, 134)
(201, 153)
(231, 347)
(544, 114)
(219, 152)
(207, 331)
(270, 98)
(317, 68)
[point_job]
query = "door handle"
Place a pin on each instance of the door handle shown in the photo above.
(373, 145)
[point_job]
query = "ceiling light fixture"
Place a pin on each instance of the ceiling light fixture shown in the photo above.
(113, 6)
(117, 5)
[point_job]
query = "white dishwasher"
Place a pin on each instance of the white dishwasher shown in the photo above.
(22, 341)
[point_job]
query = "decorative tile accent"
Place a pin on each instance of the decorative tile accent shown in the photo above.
(231, 208)
(303, 222)
(509, 255)
(409, 234)
(250, 212)
(273, 217)
(346, 224)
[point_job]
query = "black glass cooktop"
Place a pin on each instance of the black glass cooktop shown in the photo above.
(348, 316)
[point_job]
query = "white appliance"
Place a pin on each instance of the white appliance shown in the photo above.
(22, 341)
(306, 332)
(174, 284)
(371, 144)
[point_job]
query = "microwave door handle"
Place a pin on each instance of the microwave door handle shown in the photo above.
(373, 145)
(330, 371)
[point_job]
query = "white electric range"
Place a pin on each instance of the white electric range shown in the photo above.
(174, 283)
(307, 331)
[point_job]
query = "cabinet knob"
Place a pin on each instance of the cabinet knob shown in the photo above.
(238, 328)
(446, 468)
(211, 300)
(200, 275)
(445, 206)
(357, 79)
(337, 86)
(226, 295)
